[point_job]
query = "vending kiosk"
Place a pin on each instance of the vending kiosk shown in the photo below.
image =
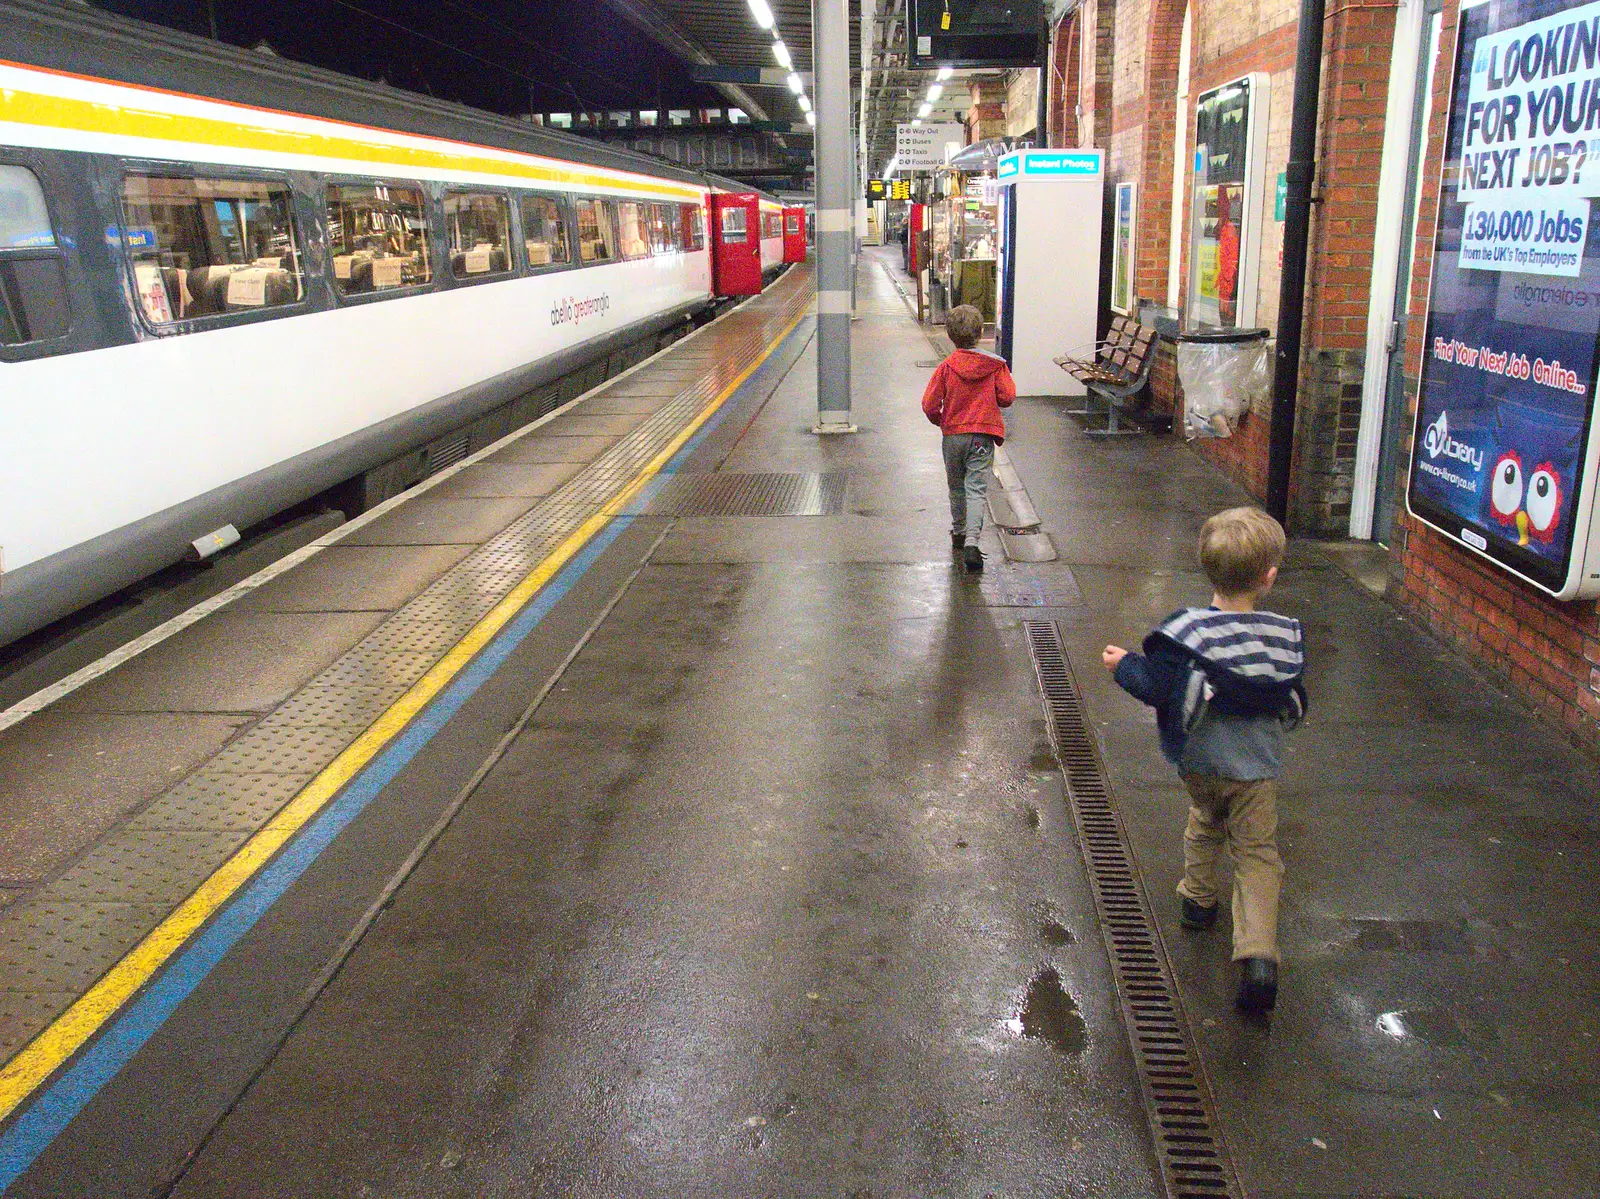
(1050, 209)
(736, 243)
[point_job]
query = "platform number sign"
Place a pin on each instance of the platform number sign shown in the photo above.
(1505, 405)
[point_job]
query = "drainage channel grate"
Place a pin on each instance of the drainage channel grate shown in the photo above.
(719, 494)
(1189, 1146)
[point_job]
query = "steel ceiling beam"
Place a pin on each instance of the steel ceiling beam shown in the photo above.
(650, 17)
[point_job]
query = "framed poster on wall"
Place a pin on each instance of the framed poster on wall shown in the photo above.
(1124, 219)
(1504, 454)
(1229, 190)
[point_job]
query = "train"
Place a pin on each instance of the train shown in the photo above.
(230, 284)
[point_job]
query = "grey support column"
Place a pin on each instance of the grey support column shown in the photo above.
(830, 48)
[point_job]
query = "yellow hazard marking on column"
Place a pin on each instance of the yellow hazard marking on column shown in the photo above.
(71, 1030)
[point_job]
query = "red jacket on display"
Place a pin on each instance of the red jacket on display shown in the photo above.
(967, 392)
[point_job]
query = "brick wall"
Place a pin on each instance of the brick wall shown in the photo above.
(1064, 68)
(1544, 651)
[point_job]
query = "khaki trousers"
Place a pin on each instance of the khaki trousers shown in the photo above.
(1244, 817)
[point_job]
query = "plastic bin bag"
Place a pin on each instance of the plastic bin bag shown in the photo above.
(1223, 375)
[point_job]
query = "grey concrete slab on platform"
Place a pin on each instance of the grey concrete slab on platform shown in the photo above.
(352, 578)
(533, 449)
(488, 480)
(431, 520)
(84, 772)
(583, 422)
(238, 660)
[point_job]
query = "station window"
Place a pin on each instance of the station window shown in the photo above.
(378, 233)
(559, 120)
(544, 232)
(205, 247)
(680, 116)
(478, 225)
(693, 224)
(650, 116)
(632, 230)
(33, 269)
(597, 231)
(735, 225)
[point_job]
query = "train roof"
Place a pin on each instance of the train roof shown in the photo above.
(75, 38)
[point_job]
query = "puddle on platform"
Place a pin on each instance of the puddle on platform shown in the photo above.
(1049, 1014)
(1055, 934)
(1438, 1027)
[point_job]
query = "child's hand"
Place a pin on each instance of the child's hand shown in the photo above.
(1111, 655)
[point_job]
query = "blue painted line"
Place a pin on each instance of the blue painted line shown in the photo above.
(49, 1113)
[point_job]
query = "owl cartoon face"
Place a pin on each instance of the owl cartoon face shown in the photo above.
(1530, 503)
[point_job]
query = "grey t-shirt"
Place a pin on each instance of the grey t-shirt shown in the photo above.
(1234, 747)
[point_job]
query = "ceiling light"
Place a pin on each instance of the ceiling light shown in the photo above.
(796, 84)
(916, 122)
(805, 104)
(945, 73)
(811, 118)
(781, 53)
(925, 109)
(763, 13)
(935, 91)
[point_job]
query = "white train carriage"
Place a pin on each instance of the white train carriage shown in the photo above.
(212, 310)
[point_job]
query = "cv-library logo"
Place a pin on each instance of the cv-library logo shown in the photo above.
(1438, 442)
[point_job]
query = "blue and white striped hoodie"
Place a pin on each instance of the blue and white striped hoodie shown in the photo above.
(1241, 669)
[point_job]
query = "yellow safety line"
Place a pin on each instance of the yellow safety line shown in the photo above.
(35, 1063)
(86, 116)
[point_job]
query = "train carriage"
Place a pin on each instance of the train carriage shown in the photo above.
(212, 309)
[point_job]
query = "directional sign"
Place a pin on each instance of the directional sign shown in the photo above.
(927, 147)
(899, 189)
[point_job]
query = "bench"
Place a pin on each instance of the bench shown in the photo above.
(1117, 370)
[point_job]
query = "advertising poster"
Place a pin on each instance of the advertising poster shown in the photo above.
(1123, 218)
(1506, 397)
(1216, 232)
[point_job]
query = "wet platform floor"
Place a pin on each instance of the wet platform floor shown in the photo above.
(773, 892)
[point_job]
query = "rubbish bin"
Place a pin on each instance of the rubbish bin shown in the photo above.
(1224, 373)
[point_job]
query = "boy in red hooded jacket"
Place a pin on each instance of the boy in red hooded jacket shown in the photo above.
(964, 399)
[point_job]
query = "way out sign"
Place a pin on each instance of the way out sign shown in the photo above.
(925, 147)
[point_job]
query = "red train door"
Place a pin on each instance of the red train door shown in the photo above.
(794, 234)
(736, 241)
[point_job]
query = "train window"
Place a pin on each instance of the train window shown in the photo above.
(632, 230)
(479, 227)
(205, 247)
(597, 231)
(33, 269)
(794, 223)
(544, 231)
(664, 228)
(378, 233)
(694, 226)
(735, 227)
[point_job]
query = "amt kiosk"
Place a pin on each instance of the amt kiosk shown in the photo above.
(1050, 208)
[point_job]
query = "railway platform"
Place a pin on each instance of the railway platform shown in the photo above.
(650, 805)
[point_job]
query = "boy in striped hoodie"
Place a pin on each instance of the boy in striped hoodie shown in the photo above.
(1225, 682)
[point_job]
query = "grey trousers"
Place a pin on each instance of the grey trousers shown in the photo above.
(967, 459)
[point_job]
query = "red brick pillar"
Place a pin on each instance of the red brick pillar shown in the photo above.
(1162, 49)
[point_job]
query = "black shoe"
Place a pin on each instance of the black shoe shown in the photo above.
(973, 557)
(957, 540)
(1197, 915)
(1258, 984)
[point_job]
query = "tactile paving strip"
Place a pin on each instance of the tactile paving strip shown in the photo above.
(63, 937)
(750, 495)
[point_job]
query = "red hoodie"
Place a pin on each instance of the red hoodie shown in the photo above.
(967, 392)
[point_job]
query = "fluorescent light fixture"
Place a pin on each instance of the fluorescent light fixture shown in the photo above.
(811, 118)
(805, 103)
(945, 73)
(796, 84)
(915, 123)
(781, 53)
(935, 91)
(762, 12)
(924, 109)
